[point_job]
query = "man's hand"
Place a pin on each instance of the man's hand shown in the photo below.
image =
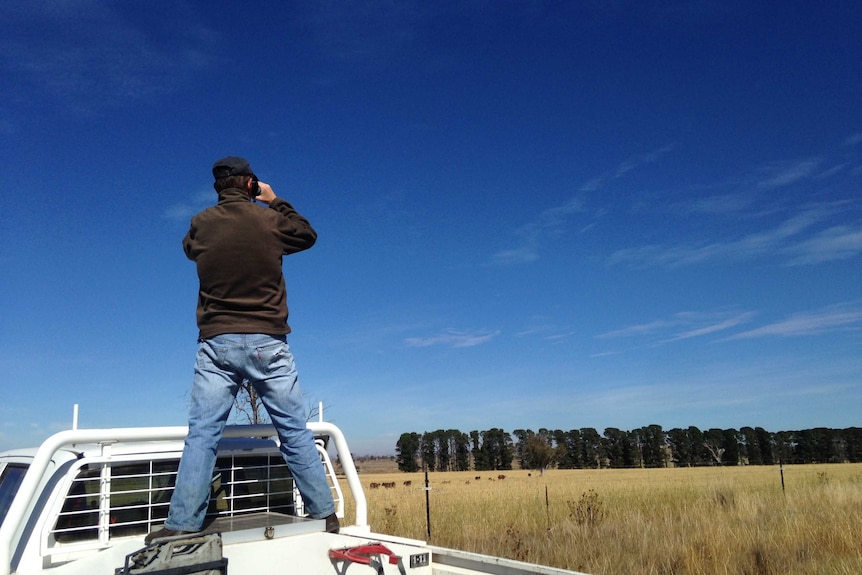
(266, 193)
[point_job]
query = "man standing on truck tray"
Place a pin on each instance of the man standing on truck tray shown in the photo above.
(242, 316)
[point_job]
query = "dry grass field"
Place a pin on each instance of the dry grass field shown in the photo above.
(718, 520)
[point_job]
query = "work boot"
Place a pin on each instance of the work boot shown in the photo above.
(332, 524)
(165, 533)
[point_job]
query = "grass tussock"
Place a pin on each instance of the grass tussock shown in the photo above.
(698, 521)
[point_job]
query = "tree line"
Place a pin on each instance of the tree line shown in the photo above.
(650, 446)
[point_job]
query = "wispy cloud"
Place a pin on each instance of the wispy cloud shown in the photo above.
(836, 243)
(664, 256)
(552, 221)
(838, 317)
(721, 204)
(787, 173)
(712, 325)
(689, 325)
(813, 233)
(640, 160)
(548, 223)
(625, 167)
(184, 211)
(98, 55)
(640, 329)
(681, 326)
(786, 240)
(520, 255)
(453, 338)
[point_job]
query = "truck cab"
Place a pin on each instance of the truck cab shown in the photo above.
(99, 490)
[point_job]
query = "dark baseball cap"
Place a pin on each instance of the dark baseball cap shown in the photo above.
(231, 166)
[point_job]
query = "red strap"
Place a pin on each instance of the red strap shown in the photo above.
(362, 553)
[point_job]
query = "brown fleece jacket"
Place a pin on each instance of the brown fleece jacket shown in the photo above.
(238, 248)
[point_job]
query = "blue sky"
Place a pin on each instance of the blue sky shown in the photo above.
(530, 214)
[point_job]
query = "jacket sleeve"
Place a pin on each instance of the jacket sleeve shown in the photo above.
(295, 232)
(189, 242)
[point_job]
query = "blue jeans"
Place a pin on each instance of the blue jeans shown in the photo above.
(222, 364)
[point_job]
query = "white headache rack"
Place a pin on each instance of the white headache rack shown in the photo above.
(133, 498)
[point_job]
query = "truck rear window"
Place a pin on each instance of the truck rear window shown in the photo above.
(10, 481)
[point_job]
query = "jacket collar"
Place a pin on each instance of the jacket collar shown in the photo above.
(232, 195)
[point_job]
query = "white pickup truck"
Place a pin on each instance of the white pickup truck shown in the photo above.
(83, 501)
